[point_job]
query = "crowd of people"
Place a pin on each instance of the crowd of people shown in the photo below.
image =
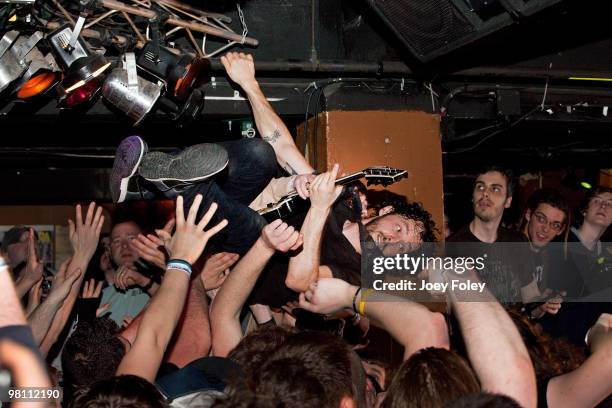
(221, 308)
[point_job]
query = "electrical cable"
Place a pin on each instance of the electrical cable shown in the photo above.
(484, 139)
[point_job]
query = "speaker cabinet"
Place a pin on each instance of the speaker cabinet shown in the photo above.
(432, 28)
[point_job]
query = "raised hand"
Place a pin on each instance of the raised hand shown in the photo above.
(91, 290)
(239, 67)
(281, 237)
(302, 183)
(553, 305)
(126, 277)
(216, 269)
(328, 295)
(189, 239)
(148, 248)
(84, 234)
(323, 189)
(165, 234)
(34, 269)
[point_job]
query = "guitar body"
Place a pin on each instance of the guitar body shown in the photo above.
(293, 203)
(284, 208)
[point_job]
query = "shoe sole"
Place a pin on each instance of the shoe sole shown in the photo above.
(196, 163)
(128, 156)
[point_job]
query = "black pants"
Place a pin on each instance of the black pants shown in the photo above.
(252, 164)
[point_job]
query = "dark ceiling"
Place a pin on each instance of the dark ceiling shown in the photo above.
(505, 97)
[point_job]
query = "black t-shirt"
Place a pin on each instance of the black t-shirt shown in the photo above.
(588, 271)
(549, 267)
(336, 252)
(508, 264)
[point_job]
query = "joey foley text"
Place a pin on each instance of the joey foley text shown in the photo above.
(406, 263)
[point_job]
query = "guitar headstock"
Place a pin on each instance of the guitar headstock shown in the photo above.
(383, 175)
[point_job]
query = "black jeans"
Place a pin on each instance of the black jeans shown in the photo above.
(252, 164)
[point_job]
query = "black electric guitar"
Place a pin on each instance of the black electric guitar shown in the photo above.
(378, 175)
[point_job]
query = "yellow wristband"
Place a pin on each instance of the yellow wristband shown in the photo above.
(362, 301)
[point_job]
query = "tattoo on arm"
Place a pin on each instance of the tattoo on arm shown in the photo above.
(273, 137)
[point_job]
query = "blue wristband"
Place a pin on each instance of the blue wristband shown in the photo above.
(179, 264)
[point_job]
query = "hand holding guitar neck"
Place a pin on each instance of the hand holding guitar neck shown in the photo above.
(377, 175)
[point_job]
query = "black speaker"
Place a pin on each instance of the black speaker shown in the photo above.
(432, 28)
(528, 7)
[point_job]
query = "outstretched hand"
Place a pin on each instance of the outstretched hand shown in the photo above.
(553, 304)
(190, 239)
(91, 289)
(279, 236)
(84, 234)
(126, 278)
(239, 67)
(34, 268)
(327, 295)
(216, 269)
(148, 248)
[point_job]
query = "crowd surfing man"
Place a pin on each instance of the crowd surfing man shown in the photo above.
(333, 242)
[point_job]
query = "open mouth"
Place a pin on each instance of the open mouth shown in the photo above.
(485, 204)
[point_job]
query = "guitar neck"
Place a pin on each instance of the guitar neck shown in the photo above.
(339, 182)
(350, 178)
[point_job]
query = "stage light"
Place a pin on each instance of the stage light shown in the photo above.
(38, 84)
(12, 62)
(586, 185)
(186, 112)
(82, 68)
(81, 94)
(179, 71)
(128, 92)
(42, 72)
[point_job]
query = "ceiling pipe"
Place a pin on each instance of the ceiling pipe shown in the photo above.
(390, 68)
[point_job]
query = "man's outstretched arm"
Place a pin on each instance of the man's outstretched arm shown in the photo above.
(305, 268)
(241, 69)
(161, 317)
(225, 309)
(494, 345)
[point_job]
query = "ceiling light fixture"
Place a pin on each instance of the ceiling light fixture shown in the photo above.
(42, 72)
(128, 92)
(83, 68)
(181, 72)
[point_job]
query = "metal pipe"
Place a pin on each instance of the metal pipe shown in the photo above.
(383, 68)
(519, 72)
(117, 39)
(187, 7)
(228, 35)
(131, 23)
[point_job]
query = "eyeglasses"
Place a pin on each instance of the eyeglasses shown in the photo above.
(542, 220)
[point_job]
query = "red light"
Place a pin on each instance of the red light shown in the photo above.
(37, 85)
(81, 94)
